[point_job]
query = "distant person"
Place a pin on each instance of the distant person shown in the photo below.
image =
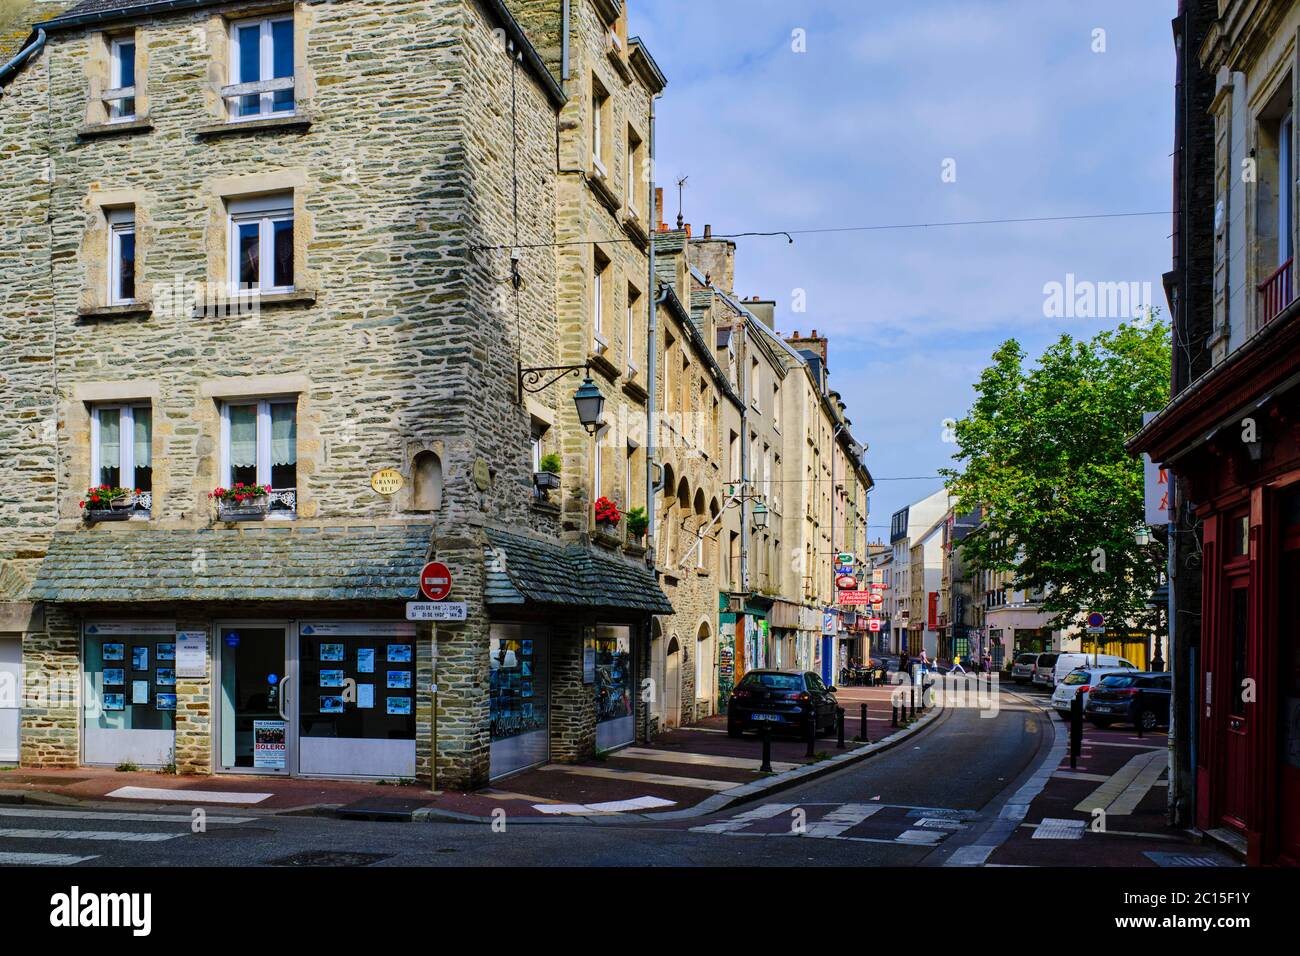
(956, 665)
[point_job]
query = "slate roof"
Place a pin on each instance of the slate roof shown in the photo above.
(106, 6)
(523, 569)
(260, 563)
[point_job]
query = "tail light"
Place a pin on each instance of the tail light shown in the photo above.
(802, 698)
(740, 693)
(1084, 689)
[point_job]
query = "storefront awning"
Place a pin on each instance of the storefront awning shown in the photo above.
(249, 564)
(524, 569)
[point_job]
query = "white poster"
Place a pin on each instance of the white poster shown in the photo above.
(192, 654)
(268, 744)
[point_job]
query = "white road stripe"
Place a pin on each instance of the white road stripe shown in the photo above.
(119, 835)
(42, 859)
(188, 796)
(125, 816)
(742, 820)
(842, 819)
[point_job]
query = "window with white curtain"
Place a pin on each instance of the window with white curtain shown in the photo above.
(259, 446)
(121, 449)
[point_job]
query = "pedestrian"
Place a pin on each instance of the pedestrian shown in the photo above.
(956, 665)
(988, 663)
(925, 662)
(904, 665)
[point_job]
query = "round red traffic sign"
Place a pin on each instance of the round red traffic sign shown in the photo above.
(435, 581)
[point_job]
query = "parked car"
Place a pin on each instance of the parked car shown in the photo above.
(1130, 697)
(1067, 662)
(1022, 671)
(1081, 680)
(782, 701)
(1044, 669)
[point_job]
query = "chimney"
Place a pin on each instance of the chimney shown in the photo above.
(659, 207)
(708, 231)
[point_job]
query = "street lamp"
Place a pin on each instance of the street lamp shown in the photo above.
(760, 515)
(1142, 535)
(591, 405)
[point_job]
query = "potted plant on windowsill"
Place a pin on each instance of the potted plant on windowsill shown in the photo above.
(548, 479)
(106, 503)
(242, 502)
(637, 522)
(607, 516)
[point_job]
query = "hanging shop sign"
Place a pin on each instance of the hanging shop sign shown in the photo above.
(435, 581)
(845, 558)
(387, 481)
(874, 624)
(846, 582)
(854, 597)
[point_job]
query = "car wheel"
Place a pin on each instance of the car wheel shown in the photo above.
(1148, 719)
(1100, 721)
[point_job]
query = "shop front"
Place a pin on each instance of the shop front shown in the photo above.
(519, 697)
(128, 693)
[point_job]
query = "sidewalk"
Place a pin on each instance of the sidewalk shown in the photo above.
(1110, 809)
(672, 775)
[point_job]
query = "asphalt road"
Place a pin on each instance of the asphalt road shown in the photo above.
(945, 784)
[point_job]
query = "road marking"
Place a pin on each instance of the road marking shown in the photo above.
(611, 806)
(108, 815)
(123, 836)
(1078, 775)
(188, 796)
(969, 856)
(1121, 784)
(741, 820)
(635, 776)
(842, 819)
(701, 760)
(42, 859)
(919, 837)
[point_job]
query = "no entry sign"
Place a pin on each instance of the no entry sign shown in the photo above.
(435, 581)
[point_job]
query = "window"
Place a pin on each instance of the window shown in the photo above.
(776, 407)
(261, 68)
(122, 77)
(633, 303)
(259, 446)
(633, 169)
(1285, 179)
(121, 449)
(753, 385)
(121, 256)
(599, 101)
(261, 233)
(598, 268)
(598, 476)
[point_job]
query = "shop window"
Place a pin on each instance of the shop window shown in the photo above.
(121, 450)
(261, 68)
(261, 244)
(380, 670)
(518, 698)
(1239, 542)
(259, 446)
(129, 706)
(614, 686)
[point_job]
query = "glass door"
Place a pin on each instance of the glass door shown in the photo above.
(257, 732)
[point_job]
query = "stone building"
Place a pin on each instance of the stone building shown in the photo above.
(305, 246)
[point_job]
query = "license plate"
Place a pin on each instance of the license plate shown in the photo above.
(767, 716)
(1104, 708)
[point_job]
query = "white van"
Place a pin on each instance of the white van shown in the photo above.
(1064, 663)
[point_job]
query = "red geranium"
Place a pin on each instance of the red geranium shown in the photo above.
(607, 512)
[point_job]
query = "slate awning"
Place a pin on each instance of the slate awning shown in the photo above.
(524, 569)
(248, 564)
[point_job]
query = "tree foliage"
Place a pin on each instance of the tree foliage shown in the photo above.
(1042, 453)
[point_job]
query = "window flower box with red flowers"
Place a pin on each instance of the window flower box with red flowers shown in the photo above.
(242, 502)
(607, 515)
(105, 503)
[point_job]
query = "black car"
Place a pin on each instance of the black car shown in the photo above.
(1129, 698)
(781, 700)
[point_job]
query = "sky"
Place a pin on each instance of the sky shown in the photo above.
(921, 111)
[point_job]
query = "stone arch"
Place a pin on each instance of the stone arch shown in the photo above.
(426, 482)
(673, 683)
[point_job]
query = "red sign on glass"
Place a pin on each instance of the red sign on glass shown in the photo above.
(435, 581)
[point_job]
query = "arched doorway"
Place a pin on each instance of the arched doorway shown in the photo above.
(705, 683)
(673, 685)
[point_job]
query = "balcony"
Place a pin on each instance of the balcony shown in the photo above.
(1275, 293)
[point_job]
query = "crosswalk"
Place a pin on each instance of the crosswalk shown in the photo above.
(864, 822)
(83, 832)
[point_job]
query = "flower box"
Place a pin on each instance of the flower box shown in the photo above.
(103, 503)
(242, 502)
(546, 481)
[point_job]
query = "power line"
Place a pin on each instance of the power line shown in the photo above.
(791, 233)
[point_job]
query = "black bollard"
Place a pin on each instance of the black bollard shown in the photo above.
(766, 736)
(812, 732)
(1138, 723)
(866, 737)
(893, 718)
(839, 728)
(1076, 730)
(912, 713)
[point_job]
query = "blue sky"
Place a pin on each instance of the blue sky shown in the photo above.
(856, 131)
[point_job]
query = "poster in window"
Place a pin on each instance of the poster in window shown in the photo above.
(333, 704)
(268, 744)
(366, 696)
(399, 705)
(166, 702)
(114, 652)
(114, 677)
(115, 702)
(140, 658)
(526, 688)
(331, 678)
(166, 652)
(365, 660)
(165, 677)
(139, 692)
(399, 653)
(399, 680)
(331, 652)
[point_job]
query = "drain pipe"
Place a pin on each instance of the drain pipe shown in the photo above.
(17, 63)
(652, 352)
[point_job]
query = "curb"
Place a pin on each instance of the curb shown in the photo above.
(713, 804)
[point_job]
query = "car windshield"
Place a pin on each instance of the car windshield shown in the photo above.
(1076, 677)
(1026, 658)
(1047, 660)
(774, 681)
(1117, 680)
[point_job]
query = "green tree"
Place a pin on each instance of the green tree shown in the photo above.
(1042, 453)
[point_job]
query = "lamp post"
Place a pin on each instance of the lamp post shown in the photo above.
(588, 399)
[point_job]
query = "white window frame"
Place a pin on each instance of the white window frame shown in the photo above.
(263, 437)
(125, 444)
(121, 223)
(266, 51)
(265, 211)
(633, 298)
(632, 149)
(115, 113)
(598, 297)
(598, 102)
